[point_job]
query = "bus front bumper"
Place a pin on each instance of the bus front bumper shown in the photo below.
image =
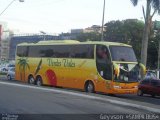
(124, 91)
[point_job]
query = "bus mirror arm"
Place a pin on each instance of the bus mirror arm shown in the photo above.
(142, 69)
(116, 69)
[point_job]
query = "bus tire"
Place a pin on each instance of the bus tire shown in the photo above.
(31, 80)
(89, 87)
(39, 81)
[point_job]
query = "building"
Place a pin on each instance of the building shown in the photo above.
(4, 41)
(5, 48)
(29, 38)
(76, 31)
(93, 28)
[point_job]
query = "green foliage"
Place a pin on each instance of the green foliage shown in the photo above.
(155, 4)
(134, 2)
(151, 5)
(153, 51)
(89, 37)
(126, 31)
(157, 25)
(3, 73)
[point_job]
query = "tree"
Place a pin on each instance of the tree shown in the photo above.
(114, 31)
(126, 31)
(152, 56)
(92, 36)
(153, 51)
(151, 4)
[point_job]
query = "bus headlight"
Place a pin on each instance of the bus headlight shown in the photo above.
(135, 86)
(117, 87)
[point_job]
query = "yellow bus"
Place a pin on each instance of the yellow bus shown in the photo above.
(107, 67)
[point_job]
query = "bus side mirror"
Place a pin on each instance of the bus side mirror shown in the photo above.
(116, 69)
(142, 69)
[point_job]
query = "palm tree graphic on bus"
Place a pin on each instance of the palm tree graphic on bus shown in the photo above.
(23, 66)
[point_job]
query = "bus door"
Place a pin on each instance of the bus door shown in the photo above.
(104, 67)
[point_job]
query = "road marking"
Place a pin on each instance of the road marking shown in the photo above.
(86, 96)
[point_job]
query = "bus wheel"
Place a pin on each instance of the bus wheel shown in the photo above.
(139, 93)
(39, 81)
(89, 87)
(31, 80)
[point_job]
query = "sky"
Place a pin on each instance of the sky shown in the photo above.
(57, 16)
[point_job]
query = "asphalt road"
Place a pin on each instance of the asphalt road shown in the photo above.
(16, 99)
(21, 98)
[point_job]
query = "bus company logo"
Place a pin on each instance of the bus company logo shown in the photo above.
(60, 63)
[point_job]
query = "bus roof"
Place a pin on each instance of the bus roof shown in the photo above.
(64, 42)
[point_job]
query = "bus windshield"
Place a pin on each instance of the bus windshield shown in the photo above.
(122, 53)
(128, 73)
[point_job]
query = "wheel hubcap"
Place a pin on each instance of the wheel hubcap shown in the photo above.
(90, 88)
(31, 80)
(39, 83)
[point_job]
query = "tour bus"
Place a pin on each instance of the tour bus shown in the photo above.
(107, 67)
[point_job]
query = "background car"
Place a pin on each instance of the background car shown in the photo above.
(149, 86)
(8, 66)
(11, 73)
(4, 68)
(151, 75)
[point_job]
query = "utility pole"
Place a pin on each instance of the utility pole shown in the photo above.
(9, 6)
(158, 67)
(102, 37)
